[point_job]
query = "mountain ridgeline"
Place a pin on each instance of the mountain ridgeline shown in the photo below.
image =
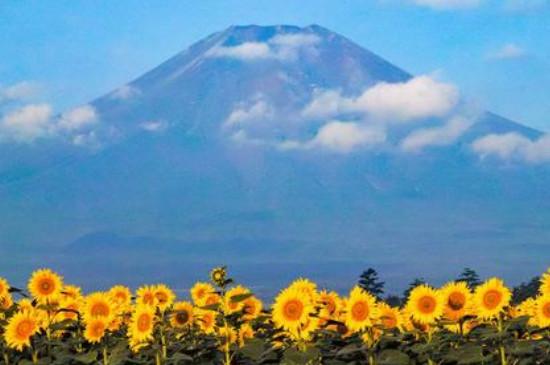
(213, 157)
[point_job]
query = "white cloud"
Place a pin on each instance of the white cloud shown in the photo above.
(154, 126)
(508, 51)
(339, 137)
(261, 109)
(27, 123)
(282, 47)
(345, 137)
(449, 4)
(514, 146)
(437, 136)
(420, 97)
(20, 91)
(77, 118)
(247, 51)
(89, 140)
(125, 92)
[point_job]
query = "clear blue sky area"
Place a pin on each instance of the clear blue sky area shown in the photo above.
(497, 52)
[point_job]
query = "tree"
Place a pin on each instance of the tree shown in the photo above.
(416, 282)
(369, 281)
(470, 277)
(393, 300)
(526, 290)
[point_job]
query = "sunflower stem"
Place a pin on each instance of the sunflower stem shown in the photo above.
(6, 358)
(502, 350)
(105, 356)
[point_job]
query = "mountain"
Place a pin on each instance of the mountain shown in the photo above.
(252, 148)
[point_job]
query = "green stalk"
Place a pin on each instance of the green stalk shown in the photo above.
(430, 361)
(6, 358)
(502, 350)
(105, 356)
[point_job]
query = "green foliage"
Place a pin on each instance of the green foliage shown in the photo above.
(526, 290)
(470, 277)
(369, 281)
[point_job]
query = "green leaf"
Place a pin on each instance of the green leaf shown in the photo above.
(211, 307)
(87, 358)
(253, 348)
(240, 297)
(393, 357)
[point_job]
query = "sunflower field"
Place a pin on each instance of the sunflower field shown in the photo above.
(224, 323)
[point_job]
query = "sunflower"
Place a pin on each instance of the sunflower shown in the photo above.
(542, 310)
(164, 295)
(25, 305)
(71, 291)
(308, 329)
(490, 298)
(6, 302)
(227, 334)
(146, 295)
(212, 299)
(456, 297)
(252, 307)
(20, 328)
(141, 324)
(199, 292)
(219, 276)
(305, 286)
(45, 285)
(95, 329)
(425, 305)
(360, 309)
(207, 321)
(70, 308)
(121, 295)
(291, 309)
(545, 283)
(98, 305)
(182, 314)
(331, 304)
(245, 332)
(4, 287)
(388, 317)
(234, 306)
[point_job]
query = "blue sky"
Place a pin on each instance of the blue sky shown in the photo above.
(497, 52)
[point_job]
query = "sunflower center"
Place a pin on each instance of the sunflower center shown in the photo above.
(121, 297)
(98, 329)
(491, 299)
(149, 299)
(144, 322)
(546, 310)
(389, 320)
(330, 306)
(211, 300)
(100, 310)
(293, 310)
(360, 311)
(25, 329)
(182, 317)
(201, 293)
(456, 301)
(162, 297)
(249, 308)
(46, 286)
(426, 304)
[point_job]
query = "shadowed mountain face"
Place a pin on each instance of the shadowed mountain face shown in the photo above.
(212, 158)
